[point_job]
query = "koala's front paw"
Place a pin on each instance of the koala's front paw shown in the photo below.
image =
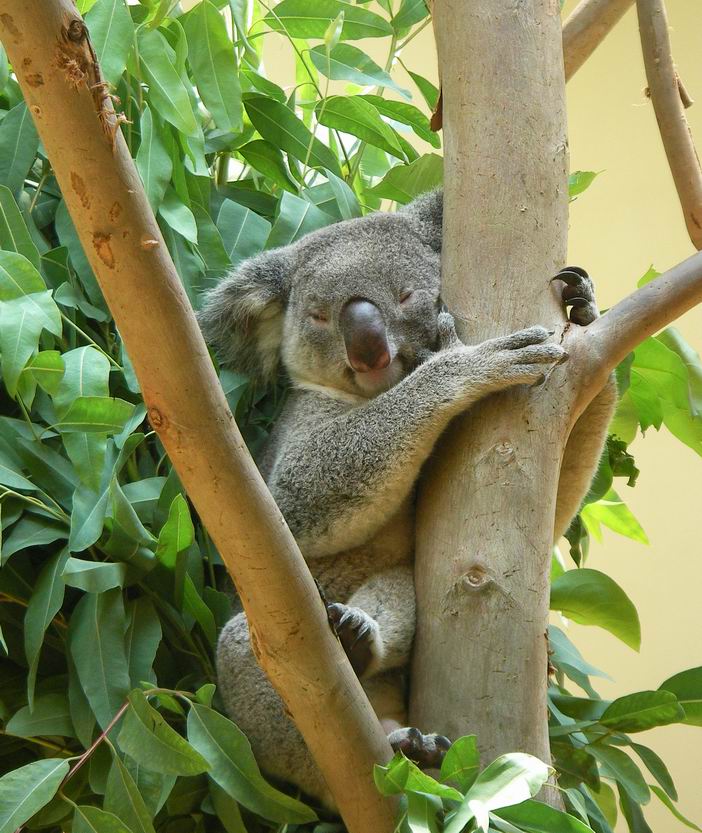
(522, 358)
(447, 338)
(578, 294)
(427, 751)
(359, 636)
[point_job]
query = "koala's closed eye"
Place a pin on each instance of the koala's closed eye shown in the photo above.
(406, 295)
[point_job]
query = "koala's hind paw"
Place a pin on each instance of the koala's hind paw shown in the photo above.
(427, 751)
(578, 294)
(359, 635)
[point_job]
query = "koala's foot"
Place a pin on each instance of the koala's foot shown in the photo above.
(427, 751)
(359, 636)
(579, 295)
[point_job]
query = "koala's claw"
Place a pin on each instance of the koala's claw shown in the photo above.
(427, 751)
(578, 294)
(357, 633)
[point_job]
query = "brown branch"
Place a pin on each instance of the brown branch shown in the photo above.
(50, 53)
(601, 346)
(586, 27)
(670, 113)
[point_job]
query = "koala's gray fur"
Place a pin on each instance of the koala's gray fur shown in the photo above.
(346, 452)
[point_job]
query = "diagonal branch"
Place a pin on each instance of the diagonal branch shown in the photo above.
(665, 91)
(607, 341)
(50, 52)
(586, 28)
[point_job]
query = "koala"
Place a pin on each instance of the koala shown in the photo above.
(352, 312)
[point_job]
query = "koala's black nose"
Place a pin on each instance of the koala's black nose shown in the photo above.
(365, 336)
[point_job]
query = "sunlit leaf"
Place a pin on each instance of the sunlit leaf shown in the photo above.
(311, 18)
(111, 35)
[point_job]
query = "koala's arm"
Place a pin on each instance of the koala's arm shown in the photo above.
(339, 480)
(582, 455)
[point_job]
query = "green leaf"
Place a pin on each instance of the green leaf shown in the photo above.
(536, 817)
(47, 368)
(124, 514)
(227, 809)
(422, 813)
(614, 514)
(142, 639)
(311, 18)
(111, 35)
(590, 597)
(673, 809)
(96, 638)
(244, 232)
(153, 160)
(22, 321)
(405, 114)
(177, 534)
(402, 775)
(196, 607)
(166, 90)
(344, 196)
(32, 531)
(282, 128)
(348, 63)
(44, 604)
(94, 820)
(68, 237)
(234, 769)
(429, 92)
(87, 518)
(405, 182)
(26, 790)
(96, 414)
(93, 576)
(178, 216)
(409, 13)
(19, 278)
(462, 762)
(354, 115)
(641, 711)
(19, 143)
(14, 235)
(50, 716)
(657, 768)
(618, 765)
(674, 341)
(509, 779)
(580, 181)
(296, 217)
(268, 160)
(212, 59)
(687, 687)
(147, 738)
(122, 797)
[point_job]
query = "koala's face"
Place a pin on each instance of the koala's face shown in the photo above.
(362, 306)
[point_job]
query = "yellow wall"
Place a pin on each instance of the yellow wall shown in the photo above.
(628, 220)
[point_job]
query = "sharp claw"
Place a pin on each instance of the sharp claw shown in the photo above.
(578, 301)
(442, 742)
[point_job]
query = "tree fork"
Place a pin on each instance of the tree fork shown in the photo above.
(50, 52)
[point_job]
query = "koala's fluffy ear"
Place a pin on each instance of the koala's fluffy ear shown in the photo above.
(242, 317)
(425, 214)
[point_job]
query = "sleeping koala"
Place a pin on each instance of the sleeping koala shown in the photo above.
(353, 313)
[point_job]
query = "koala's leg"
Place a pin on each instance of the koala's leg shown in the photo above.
(582, 455)
(376, 625)
(583, 450)
(253, 704)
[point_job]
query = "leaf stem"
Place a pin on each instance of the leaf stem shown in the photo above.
(91, 341)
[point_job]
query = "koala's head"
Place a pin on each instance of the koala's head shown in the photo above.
(352, 306)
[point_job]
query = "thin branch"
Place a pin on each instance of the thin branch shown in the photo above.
(670, 113)
(186, 405)
(612, 337)
(588, 25)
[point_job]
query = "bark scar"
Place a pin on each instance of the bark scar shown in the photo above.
(101, 244)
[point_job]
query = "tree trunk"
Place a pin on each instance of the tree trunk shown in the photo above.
(50, 52)
(486, 504)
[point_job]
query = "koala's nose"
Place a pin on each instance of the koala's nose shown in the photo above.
(365, 336)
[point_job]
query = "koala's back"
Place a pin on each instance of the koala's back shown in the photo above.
(340, 570)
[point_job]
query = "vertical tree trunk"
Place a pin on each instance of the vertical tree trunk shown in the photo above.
(486, 504)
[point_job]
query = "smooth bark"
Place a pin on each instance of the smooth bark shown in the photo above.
(486, 506)
(585, 29)
(47, 44)
(668, 98)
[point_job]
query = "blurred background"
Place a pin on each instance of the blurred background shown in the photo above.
(628, 220)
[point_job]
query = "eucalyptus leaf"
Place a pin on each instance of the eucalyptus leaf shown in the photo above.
(111, 35)
(26, 790)
(311, 18)
(18, 146)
